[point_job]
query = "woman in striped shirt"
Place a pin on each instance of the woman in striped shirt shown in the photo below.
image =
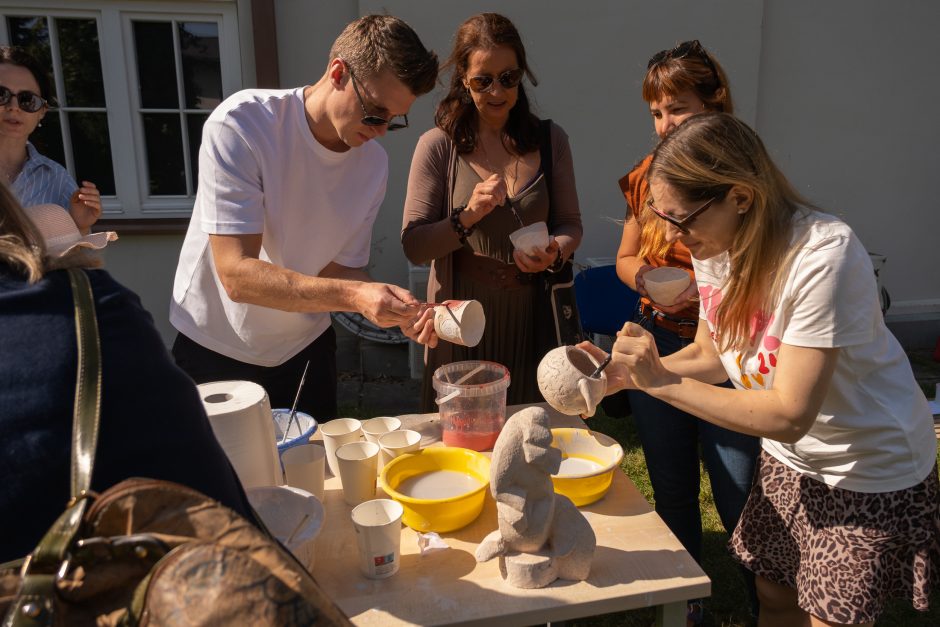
(34, 179)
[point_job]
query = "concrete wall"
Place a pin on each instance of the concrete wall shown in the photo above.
(841, 91)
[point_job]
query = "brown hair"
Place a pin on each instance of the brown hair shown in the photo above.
(374, 43)
(457, 115)
(687, 67)
(705, 157)
(15, 55)
(22, 247)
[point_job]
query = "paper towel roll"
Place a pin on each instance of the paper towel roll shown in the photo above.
(240, 415)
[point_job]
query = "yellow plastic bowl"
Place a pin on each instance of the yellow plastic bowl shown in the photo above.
(593, 459)
(438, 514)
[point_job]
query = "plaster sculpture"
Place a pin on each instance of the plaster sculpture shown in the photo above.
(541, 536)
(564, 377)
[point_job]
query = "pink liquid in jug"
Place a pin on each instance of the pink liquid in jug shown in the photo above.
(477, 432)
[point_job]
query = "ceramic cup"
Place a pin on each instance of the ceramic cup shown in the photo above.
(463, 324)
(665, 284)
(531, 237)
(304, 467)
(337, 433)
(358, 465)
(564, 377)
(395, 443)
(374, 428)
(378, 534)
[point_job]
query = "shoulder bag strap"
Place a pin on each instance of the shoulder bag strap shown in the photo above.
(545, 154)
(87, 411)
(34, 605)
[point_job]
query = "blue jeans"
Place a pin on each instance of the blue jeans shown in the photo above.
(671, 441)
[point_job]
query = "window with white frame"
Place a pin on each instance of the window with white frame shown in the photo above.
(133, 84)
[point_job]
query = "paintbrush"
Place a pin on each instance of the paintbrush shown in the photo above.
(293, 409)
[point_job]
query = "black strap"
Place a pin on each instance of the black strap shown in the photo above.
(545, 154)
(34, 604)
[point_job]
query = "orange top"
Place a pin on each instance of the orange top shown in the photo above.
(635, 189)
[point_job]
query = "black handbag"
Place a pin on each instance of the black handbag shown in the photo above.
(147, 551)
(557, 321)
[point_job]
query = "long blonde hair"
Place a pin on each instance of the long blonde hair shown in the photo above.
(687, 67)
(22, 246)
(705, 157)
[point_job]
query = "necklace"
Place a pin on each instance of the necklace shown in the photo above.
(514, 164)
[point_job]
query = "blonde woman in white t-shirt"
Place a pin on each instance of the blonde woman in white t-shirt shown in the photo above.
(844, 513)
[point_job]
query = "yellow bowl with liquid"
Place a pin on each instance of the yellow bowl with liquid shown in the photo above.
(589, 460)
(440, 488)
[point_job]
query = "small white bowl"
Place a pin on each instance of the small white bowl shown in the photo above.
(666, 283)
(531, 237)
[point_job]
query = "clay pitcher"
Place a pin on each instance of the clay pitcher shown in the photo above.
(564, 377)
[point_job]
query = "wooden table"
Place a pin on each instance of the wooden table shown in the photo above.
(637, 563)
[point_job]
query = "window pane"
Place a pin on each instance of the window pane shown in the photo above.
(164, 154)
(91, 147)
(48, 138)
(194, 124)
(32, 33)
(202, 69)
(156, 68)
(81, 63)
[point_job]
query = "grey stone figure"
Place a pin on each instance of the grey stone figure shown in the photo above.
(541, 536)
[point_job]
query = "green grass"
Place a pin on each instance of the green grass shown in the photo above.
(727, 606)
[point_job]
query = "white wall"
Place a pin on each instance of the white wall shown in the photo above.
(842, 93)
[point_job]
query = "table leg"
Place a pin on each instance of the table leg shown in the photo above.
(671, 614)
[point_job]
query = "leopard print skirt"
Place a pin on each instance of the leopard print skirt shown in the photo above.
(846, 553)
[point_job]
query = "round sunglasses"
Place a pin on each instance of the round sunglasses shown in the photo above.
(508, 79)
(28, 101)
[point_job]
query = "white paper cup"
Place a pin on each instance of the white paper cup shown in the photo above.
(304, 467)
(378, 534)
(395, 443)
(531, 237)
(294, 516)
(358, 465)
(666, 283)
(465, 326)
(337, 433)
(374, 428)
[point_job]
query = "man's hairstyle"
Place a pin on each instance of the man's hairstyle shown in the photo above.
(375, 43)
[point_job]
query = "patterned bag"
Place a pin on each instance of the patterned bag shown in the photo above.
(150, 552)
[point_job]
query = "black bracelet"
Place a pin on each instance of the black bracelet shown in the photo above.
(558, 264)
(463, 232)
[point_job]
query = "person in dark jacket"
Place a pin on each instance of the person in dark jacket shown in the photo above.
(152, 421)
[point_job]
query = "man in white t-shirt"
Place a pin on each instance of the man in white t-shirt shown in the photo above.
(289, 187)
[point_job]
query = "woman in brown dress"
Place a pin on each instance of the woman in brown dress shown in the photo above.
(477, 177)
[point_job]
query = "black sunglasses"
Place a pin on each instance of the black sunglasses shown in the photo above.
(508, 79)
(27, 100)
(373, 120)
(683, 224)
(685, 49)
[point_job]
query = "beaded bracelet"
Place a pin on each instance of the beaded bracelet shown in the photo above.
(558, 264)
(463, 232)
